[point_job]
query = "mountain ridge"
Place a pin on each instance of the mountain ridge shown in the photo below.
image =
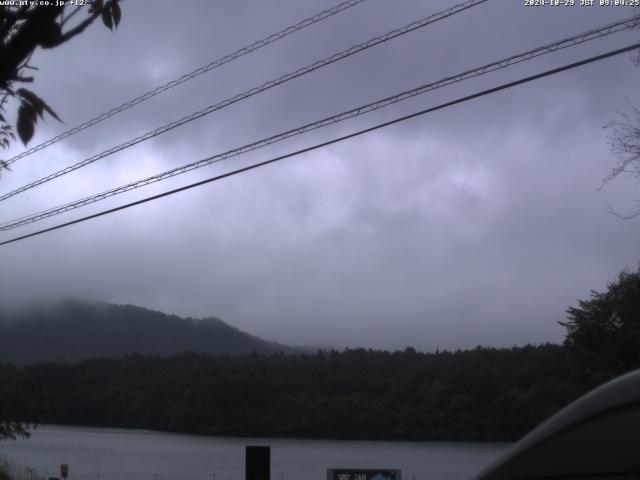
(74, 330)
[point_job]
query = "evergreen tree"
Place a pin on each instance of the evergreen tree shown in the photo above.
(604, 331)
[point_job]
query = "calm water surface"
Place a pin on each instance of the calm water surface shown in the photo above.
(117, 454)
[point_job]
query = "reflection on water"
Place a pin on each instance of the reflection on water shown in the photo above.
(117, 454)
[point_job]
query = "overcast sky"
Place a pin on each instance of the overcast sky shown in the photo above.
(478, 224)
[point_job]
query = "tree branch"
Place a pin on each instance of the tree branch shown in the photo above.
(83, 25)
(78, 28)
(623, 217)
(68, 17)
(29, 35)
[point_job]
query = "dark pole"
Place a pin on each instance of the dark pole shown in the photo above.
(258, 463)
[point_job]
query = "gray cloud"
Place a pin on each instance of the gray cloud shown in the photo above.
(478, 224)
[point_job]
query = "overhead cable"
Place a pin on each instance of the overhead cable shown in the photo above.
(330, 142)
(191, 75)
(355, 112)
(253, 91)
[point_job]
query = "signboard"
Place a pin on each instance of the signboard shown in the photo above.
(363, 474)
(64, 470)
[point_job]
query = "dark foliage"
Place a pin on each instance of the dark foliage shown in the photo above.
(24, 27)
(12, 407)
(603, 332)
(479, 394)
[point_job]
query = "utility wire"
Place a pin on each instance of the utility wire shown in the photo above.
(335, 140)
(253, 91)
(195, 73)
(500, 64)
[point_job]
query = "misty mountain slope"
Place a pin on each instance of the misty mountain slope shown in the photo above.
(74, 330)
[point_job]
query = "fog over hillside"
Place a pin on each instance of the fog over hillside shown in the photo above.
(74, 330)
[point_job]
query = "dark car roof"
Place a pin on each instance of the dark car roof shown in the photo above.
(598, 435)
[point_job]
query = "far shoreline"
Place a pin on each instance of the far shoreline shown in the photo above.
(240, 436)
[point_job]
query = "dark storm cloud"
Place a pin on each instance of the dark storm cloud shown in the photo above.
(478, 224)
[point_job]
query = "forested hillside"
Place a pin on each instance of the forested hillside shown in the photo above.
(484, 393)
(481, 394)
(74, 330)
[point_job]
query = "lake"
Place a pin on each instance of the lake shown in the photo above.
(119, 454)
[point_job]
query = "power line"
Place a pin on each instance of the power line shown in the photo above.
(253, 91)
(335, 140)
(500, 64)
(195, 73)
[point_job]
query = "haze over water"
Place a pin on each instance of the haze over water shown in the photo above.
(119, 454)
